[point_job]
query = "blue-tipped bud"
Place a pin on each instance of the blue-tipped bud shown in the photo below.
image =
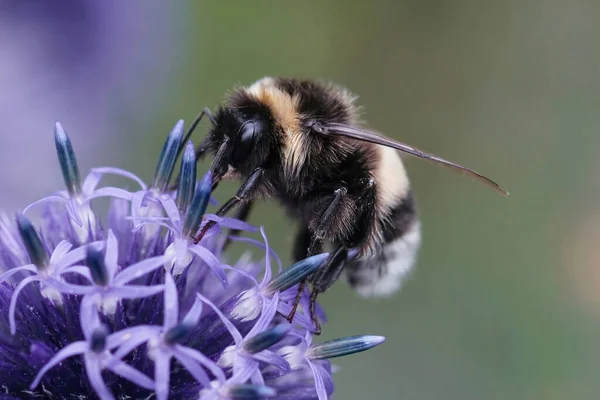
(66, 158)
(296, 273)
(95, 262)
(198, 207)
(168, 157)
(33, 243)
(178, 333)
(250, 392)
(266, 339)
(98, 339)
(343, 346)
(187, 178)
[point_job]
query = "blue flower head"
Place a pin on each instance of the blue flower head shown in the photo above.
(126, 305)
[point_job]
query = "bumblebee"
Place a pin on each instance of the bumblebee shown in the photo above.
(300, 141)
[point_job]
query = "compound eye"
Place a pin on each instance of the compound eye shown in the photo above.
(245, 141)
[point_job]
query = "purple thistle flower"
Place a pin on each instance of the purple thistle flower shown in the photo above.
(131, 312)
(90, 57)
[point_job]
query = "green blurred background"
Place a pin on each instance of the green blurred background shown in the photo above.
(505, 300)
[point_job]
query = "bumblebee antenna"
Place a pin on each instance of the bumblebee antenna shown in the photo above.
(205, 111)
(201, 149)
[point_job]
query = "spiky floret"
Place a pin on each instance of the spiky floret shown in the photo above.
(122, 307)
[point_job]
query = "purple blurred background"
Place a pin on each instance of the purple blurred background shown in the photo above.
(83, 63)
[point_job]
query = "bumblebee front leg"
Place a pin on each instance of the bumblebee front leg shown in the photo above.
(244, 194)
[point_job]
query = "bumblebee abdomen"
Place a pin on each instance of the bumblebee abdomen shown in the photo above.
(382, 270)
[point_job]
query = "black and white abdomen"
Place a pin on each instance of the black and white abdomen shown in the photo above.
(397, 233)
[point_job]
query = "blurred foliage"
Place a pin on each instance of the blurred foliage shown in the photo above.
(504, 301)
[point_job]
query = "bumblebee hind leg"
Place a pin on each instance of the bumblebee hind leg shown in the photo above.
(330, 271)
(324, 278)
(306, 245)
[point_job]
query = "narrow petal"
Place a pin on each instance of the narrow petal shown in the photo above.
(110, 192)
(266, 316)
(141, 222)
(319, 384)
(254, 242)
(193, 368)
(138, 336)
(237, 336)
(243, 373)
(138, 270)
(13, 302)
(209, 364)
(327, 378)
(137, 202)
(243, 273)
(76, 255)
(194, 313)
(257, 378)
(64, 353)
(47, 199)
(69, 288)
(343, 346)
(90, 182)
(247, 366)
(73, 206)
(135, 291)
(170, 209)
(60, 251)
(12, 271)
(94, 176)
(171, 313)
(94, 373)
(271, 358)
(211, 261)
(123, 336)
(267, 275)
(162, 367)
(128, 372)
